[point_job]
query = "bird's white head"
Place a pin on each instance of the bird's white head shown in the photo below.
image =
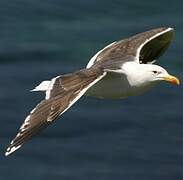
(147, 74)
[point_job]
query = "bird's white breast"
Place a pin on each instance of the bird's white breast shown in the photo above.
(115, 86)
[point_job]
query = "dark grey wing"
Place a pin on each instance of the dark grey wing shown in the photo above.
(155, 45)
(63, 92)
(143, 48)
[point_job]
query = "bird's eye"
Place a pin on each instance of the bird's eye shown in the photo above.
(155, 72)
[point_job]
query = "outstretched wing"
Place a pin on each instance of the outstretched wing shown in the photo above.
(144, 48)
(61, 93)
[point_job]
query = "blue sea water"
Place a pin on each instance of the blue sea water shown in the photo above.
(140, 138)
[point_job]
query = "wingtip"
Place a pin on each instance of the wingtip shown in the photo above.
(10, 150)
(166, 29)
(6, 153)
(170, 29)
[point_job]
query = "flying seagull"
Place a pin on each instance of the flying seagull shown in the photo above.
(122, 69)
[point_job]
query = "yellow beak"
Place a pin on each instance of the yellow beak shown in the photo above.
(172, 79)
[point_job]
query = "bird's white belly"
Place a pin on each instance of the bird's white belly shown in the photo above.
(115, 86)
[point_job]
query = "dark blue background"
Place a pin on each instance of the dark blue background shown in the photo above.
(138, 138)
